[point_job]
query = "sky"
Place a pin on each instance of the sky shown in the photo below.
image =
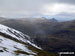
(37, 8)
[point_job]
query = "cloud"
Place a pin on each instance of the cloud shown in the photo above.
(26, 8)
(60, 1)
(58, 8)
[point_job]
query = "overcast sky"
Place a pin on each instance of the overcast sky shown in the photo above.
(26, 8)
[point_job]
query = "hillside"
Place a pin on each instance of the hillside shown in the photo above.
(15, 43)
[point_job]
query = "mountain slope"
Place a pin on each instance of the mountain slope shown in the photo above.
(15, 43)
(50, 36)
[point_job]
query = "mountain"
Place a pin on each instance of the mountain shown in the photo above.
(60, 36)
(15, 43)
(53, 20)
(24, 26)
(27, 26)
(51, 36)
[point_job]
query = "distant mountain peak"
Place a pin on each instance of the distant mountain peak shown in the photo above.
(53, 20)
